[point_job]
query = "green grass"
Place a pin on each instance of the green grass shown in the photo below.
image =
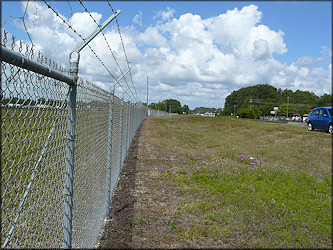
(263, 185)
(251, 184)
(23, 134)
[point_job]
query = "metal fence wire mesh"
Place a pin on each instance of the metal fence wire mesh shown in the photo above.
(154, 112)
(34, 115)
(31, 104)
(90, 162)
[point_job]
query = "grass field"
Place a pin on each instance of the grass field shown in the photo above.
(23, 135)
(249, 184)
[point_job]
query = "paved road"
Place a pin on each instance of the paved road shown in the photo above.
(302, 124)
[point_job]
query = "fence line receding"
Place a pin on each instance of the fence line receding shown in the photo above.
(34, 111)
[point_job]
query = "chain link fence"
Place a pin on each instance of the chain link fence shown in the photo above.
(32, 106)
(34, 134)
(154, 112)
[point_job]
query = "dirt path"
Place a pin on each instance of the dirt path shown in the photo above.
(142, 205)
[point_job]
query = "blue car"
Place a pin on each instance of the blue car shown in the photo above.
(321, 118)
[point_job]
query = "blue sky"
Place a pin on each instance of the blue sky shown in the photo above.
(290, 44)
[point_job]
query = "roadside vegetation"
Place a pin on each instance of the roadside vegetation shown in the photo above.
(257, 100)
(248, 184)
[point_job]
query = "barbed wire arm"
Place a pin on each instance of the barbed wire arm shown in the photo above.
(79, 47)
(74, 62)
(121, 72)
(75, 32)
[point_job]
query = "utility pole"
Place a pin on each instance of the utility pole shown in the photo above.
(250, 104)
(234, 110)
(287, 105)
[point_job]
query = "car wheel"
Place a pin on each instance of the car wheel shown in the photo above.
(310, 127)
(330, 129)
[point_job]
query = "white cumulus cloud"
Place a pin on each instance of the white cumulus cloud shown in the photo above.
(138, 18)
(165, 14)
(194, 60)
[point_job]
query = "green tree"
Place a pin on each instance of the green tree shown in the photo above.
(170, 105)
(265, 97)
(252, 113)
(202, 110)
(41, 100)
(174, 106)
(304, 97)
(325, 100)
(303, 109)
(282, 111)
(186, 109)
(157, 106)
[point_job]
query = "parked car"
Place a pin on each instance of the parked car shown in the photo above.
(305, 117)
(296, 118)
(321, 118)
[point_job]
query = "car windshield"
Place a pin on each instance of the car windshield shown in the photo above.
(331, 111)
(315, 112)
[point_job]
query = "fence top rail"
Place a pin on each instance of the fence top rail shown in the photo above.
(21, 61)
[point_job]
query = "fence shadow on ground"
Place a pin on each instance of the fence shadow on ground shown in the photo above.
(122, 203)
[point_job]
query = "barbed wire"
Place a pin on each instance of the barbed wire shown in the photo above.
(107, 43)
(122, 42)
(133, 96)
(71, 11)
(23, 21)
(70, 26)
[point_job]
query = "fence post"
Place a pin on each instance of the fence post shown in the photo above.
(74, 58)
(73, 70)
(127, 124)
(109, 156)
(121, 132)
(132, 119)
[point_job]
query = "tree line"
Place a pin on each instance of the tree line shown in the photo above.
(30, 102)
(247, 102)
(202, 110)
(171, 106)
(254, 101)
